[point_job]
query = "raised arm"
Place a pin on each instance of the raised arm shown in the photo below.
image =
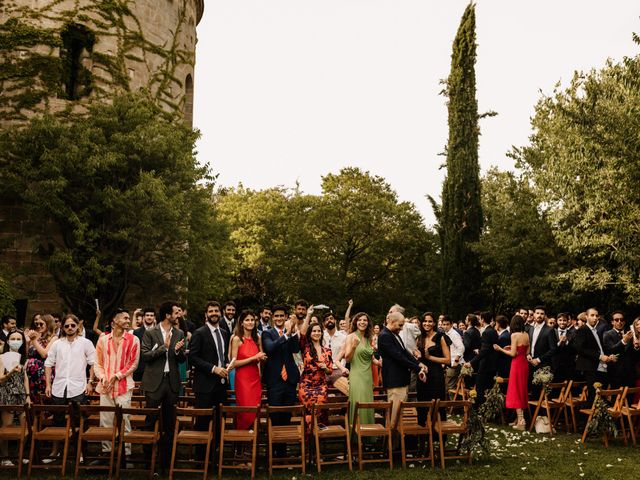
(96, 323)
(347, 314)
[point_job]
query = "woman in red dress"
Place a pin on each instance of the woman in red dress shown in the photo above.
(246, 355)
(518, 388)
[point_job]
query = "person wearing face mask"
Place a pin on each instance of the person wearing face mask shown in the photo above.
(14, 384)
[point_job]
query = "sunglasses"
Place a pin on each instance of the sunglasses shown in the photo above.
(70, 325)
(39, 324)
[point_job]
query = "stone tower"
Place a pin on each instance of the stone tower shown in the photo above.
(58, 56)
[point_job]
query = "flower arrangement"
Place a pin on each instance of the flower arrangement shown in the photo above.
(543, 377)
(493, 404)
(601, 422)
(475, 439)
(466, 371)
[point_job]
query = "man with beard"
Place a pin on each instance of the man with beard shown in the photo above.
(228, 322)
(265, 320)
(334, 339)
(208, 355)
(162, 350)
(148, 321)
(563, 362)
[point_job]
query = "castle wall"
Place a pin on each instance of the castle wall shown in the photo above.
(57, 56)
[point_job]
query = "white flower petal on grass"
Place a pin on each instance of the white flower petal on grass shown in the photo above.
(619, 459)
(608, 465)
(582, 474)
(523, 468)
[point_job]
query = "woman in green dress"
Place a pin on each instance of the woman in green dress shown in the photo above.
(359, 352)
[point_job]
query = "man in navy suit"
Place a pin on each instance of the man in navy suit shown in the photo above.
(281, 373)
(485, 363)
(397, 363)
(208, 355)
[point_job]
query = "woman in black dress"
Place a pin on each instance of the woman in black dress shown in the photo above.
(434, 352)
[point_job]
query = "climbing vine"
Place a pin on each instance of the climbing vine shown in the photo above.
(107, 44)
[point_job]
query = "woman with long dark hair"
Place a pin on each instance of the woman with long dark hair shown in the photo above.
(518, 387)
(433, 346)
(359, 352)
(246, 354)
(317, 365)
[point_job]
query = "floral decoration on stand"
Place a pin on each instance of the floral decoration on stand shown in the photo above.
(602, 422)
(475, 440)
(494, 403)
(543, 377)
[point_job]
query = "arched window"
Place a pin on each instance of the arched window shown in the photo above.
(77, 44)
(188, 100)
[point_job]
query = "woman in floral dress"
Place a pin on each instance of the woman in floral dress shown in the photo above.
(40, 338)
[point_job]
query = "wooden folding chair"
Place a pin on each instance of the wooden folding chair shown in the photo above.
(185, 434)
(16, 433)
(552, 400)
(408, 425)
(460, 390)
(139, 436)
(631, 411)
(336, 428)
(612, 397)
(576, 398)
(450, 427)
(292, 434)
(42, 431)
(90, 431)
(374, 430)
(230, 434)
(138, 402)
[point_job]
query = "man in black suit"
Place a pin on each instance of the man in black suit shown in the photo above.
(265, 320)
(485, 363)
(208, 355)
(504, 340)
(228, 321)
(591, 361)
(618, 342)
(563, 361)
(162, 350)
(148, 321)
(397, 363)
(471, 338)
(8, 323)
(281, 373)
(543, 343)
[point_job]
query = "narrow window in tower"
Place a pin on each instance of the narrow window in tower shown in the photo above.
(188, 100)
(77, 45)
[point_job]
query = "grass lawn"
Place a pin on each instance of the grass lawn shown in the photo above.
(512, 455)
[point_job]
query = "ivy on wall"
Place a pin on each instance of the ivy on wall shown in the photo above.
(38, 62)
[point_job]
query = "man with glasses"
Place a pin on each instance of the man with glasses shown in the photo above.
(70, 356)
(617, 342)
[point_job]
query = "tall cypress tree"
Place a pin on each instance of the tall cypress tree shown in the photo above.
(460, 216)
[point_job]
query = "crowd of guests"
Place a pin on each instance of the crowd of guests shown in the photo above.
(298, 353)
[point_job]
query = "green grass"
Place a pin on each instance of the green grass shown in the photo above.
(512, 455)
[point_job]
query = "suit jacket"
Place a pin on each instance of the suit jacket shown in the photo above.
(397, 363)
(563, 361)
(137, 375)
(472, 341)
(279, 352)
(621, 372)
(224, 326)
(204, 355)
(504, 361)
(486, 362)
(587, 350)
(545, 347)
(153, 352)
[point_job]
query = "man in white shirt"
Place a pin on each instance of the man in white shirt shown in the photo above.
(334, 339)
(70, 356)
(457, 352)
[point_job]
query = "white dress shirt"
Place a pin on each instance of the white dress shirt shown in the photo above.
(70, 360)
(537, 327)
(335, 342)
(456, 347)
(602, 367)
(409, 335)
(166, 355)
(219, 348)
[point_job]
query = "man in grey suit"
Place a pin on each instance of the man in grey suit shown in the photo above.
(162, 350)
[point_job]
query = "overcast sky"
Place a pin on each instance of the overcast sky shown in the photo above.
(290, 90)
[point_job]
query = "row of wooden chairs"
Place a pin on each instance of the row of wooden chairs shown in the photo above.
(38, 425)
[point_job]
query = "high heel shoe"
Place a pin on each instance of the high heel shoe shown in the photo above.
(520, 425)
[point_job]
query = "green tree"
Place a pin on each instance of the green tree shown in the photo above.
(460, 215)
(518, 253)
(583, 161)
(122, 197)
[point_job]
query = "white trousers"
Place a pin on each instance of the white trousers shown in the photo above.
(106, 418)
